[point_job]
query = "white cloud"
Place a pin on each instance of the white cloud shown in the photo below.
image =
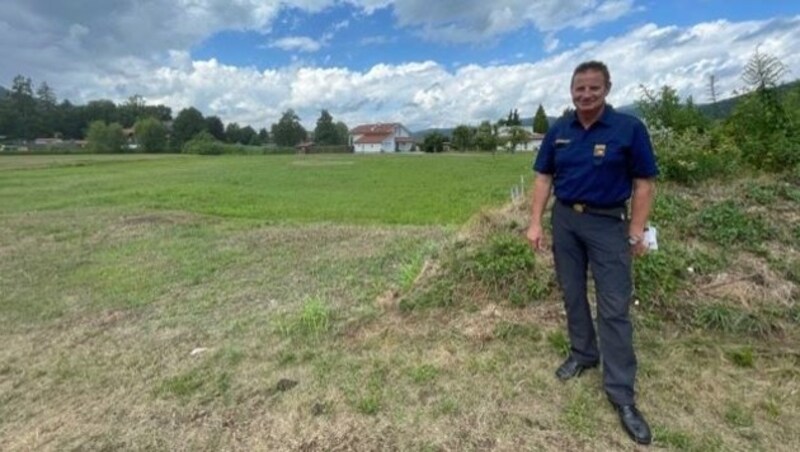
(479, 20)
(297, 43)
(116, 48)
(551, 43)
(429, 94)
(377, 40)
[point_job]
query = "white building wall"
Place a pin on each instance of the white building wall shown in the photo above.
(368, 148)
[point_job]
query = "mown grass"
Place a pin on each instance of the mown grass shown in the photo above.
(130, 327)
(385, 189)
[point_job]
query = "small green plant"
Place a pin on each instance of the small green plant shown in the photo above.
(313, 320)
(763, 194)
(183, 385)
(369, 404)
(726, 225)
(672, 438)
(315, 317)
(447, 407)
(717, 317)
(580, 414)
(738, 416)
(409, 271)
(509, 331)
(728, 319)
(559, 342)
(657, 276)
(499, 262)
(424, 373)
(742, 357)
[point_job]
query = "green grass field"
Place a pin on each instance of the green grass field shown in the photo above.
(256, 303)
(386, 189)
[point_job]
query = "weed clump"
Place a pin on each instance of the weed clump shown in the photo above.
(500, 268)
(727, 225)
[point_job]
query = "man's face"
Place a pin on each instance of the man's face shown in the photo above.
(589, 91)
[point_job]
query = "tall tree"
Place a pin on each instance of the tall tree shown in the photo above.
(540, 122)
(100, 110)
(516, 136)
(665, 109)
(215, 127)
(325, 133)
(463, 137)
(248, 135)
(263, 136)
(45, 111)
(188, 123)
(131, 110)
(342, 133)
(433, 142)
(233, 133)
(765, 131)
(288, 131)
(485, 138)
(151, 135)
(23, 106)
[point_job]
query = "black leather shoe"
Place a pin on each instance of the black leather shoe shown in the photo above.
(633, 422)
(571, 369)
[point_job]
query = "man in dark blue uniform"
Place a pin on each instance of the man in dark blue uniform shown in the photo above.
(595, 160)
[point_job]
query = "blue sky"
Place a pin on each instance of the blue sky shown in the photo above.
(350, 38)
(425, 63)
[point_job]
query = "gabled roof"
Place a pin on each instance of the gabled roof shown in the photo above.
(372, 138)
(381, 128)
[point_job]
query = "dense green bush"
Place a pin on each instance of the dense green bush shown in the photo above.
(205, 144)
(151, 134)
(690, 156)
(103, 137)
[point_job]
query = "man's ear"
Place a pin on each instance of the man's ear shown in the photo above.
(608, 87)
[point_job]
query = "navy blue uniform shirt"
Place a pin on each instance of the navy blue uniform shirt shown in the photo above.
(596, 166)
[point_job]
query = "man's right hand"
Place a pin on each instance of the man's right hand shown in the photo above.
(536, 237)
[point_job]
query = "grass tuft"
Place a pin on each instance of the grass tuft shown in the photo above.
(558, 342)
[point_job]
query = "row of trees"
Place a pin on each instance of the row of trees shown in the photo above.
(26, 114)
(508, 132)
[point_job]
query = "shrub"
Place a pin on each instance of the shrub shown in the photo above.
(689, 156)
(151, 135)
(103, 137)
(205, 144)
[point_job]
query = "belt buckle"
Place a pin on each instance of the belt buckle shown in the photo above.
(580, 208)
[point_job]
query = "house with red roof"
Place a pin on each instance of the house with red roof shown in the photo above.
(381, 137)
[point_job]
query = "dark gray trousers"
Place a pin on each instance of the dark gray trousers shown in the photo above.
(582, 241)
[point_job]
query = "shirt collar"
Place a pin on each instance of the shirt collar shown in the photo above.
(604, 119)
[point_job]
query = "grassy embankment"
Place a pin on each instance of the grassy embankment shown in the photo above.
(324, 302)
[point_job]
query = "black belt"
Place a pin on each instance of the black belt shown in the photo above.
(619, 212)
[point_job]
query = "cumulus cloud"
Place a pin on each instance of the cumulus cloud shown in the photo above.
(479, 20)
(427, 94)
(117, 48)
